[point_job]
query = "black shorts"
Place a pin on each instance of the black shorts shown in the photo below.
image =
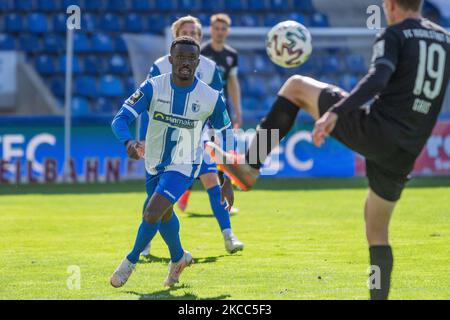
(387, 166)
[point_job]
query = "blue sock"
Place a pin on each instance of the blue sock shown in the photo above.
(145, 234)
(170, 232)
(221, 214)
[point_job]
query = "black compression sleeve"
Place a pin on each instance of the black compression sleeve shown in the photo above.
(367, 88)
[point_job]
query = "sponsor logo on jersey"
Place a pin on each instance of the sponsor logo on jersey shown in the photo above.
(174, 120)
(135, 97)
(163, 101)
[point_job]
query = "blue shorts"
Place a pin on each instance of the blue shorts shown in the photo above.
(208, 165)
(170, 184)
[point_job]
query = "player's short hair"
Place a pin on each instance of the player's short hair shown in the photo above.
(220, 17)
(414, 5)
(176, 26)
(184, 40)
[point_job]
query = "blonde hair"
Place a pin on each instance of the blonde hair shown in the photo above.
(220, 17)
(176, 26)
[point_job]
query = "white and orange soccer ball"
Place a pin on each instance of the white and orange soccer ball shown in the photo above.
(289, 44)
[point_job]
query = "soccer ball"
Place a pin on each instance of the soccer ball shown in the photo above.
(288, 44)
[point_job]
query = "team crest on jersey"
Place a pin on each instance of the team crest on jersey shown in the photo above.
(195, 107)
(137, 95)
(229, 60)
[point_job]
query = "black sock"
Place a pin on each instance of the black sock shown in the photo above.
(380, 256)
(281, 117)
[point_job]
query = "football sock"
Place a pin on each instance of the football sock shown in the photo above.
(221, 214)
(381, 256)
(281, 117)
(145, 234)
(170, 232)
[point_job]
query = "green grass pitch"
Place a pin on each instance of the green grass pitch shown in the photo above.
(304, 240)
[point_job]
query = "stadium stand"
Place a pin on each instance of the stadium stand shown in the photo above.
(101, 64)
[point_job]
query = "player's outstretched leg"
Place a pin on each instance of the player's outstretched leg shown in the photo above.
(298, 92)
(211, 183)
(377, 214)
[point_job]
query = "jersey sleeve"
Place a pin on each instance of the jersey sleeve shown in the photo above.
(136, 104)
(154, 71)
(386, 49)
(217, 83)
(219, 119)
(234, 66)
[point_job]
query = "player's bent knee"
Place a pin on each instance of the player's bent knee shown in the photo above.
(210, 180)
(292, 89)
(151, 216)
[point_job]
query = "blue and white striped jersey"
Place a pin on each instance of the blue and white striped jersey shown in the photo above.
(207, 71)
(177, 118)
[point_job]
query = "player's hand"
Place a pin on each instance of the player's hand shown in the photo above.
(227, 194)
(323, 127)
(135, 149)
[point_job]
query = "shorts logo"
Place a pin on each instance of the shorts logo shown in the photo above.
(195, 107)
(175, 121)
(137, 95)
(169, 194)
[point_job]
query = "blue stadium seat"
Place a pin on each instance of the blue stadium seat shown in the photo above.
(81, 42)
(295, 16)
(67, 3)
(245, 64)
(164, 5)
(93, 64)
(263, 64)
(272, 19)
(256, 85)
(5, 5)
(249, 103)
(89, 22)
(258, 5)
(319, 20)
(355, 63)
(209, 6)
(37, 23)
(93, 5)
(331, 63)
(59, 22)
(76, 66)
(53, 43)
(204, 19)
(187, 5)
(305, 6)
(279, 5)
(156, 23)
(47, 5)
(130, 86)
(45, 65)
(7, 42)
(120, 45)
(57, 86)
(234, 5)
(118, 6)
(328, 79)
(23, 5)
(102, 43)
(348, 82)
(117, 64)
(110, 22)
(13, 22)
(111, 86)
(86, 86)
(249, 20)
(141, 5)
(29, 43)
(274, 84)
(80, 106)
(104, 105)
(134, 23)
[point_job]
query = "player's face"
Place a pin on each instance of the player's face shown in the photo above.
(184, 59)
(190, 29)
(219, 31)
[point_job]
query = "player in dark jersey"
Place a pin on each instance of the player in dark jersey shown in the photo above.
(408, 78)
(226, 59)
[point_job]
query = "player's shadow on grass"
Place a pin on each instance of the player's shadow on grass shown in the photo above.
(167, 295)
(154, 259)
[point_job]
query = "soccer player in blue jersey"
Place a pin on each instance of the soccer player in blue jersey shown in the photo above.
(179, 105)
(208, 72)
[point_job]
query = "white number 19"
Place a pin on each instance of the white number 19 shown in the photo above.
(426, 63)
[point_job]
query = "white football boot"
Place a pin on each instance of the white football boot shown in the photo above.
(176, 268)
(146, 251)
(122, 273)
(232, 243)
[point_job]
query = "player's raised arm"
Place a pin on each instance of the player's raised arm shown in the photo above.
(132, 107)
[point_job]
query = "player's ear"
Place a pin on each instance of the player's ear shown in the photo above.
(170, 59)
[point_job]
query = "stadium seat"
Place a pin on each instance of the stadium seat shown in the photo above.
(281, 5)
(13, 23)
(204, 19)
(258, 5)
(23, 5)
(187, 5)
(37, 23)
(76, 66)
(53, 43)
(7, 42)
(156, 23)
(117, 64)
(234, 5)
(86, 86)
(245, 64)
(67, 3)
(165, 5)
(141, 5)
(249, 20)
(319, 20)
(93, 64)
(134, 23)
(130, 86)
(209, 6)
(102, 43)
(295, 16)
(5, 6)
(328, 79)
(272, 19)
(118, 6)
(256, 85)
(81, 42)
(60, 22)
(110, 22)
(89, 22)
(355, 63)
(111, 86)
(103, 105)
(120, 45)
(47, 5)
(57, 85)
(348, 82)
(305, 6)
(29, 43)
(93, 5)
(80, 106)
(45, 65)
(249, 103)
(263, 64)
(331, 63)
